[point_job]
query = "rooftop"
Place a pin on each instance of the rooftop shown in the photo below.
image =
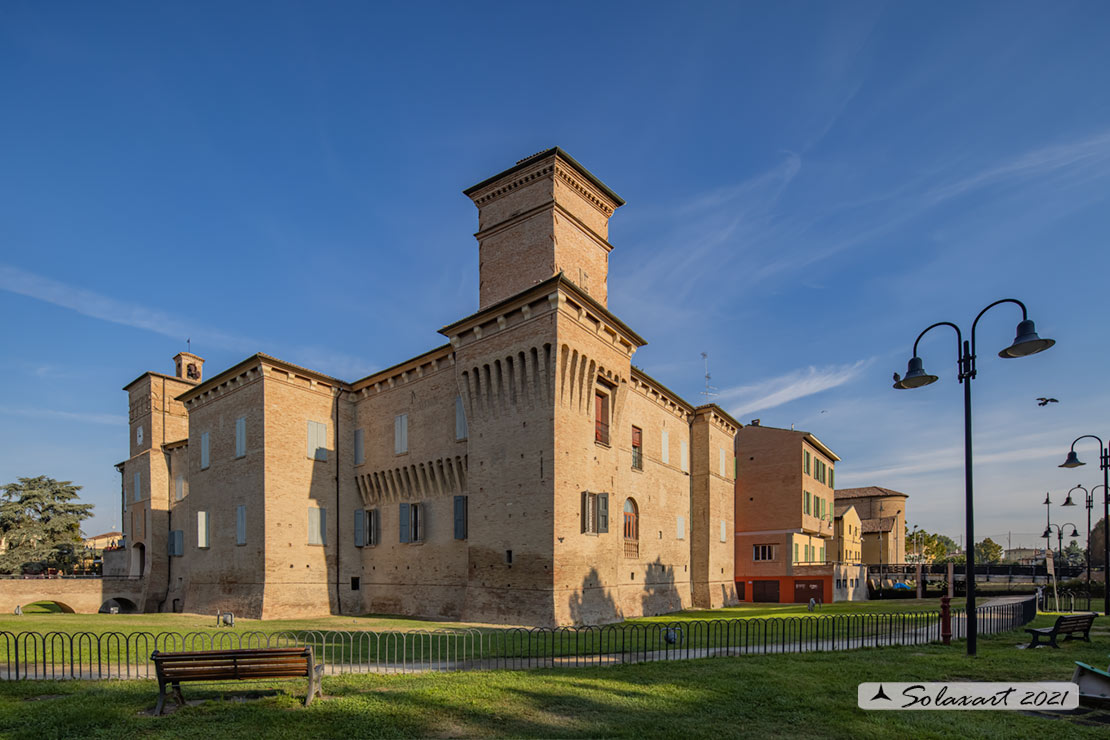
(867, 492)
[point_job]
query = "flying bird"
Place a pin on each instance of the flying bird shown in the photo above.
(1046, 401)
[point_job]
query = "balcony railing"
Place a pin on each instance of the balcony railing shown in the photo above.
(637, 458)
(632, 549)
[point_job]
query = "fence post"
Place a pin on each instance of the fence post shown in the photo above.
(946, 619)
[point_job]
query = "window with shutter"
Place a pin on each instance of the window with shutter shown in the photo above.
(460, 517)
(416, 522)
(179, 541)
(317, 526)
(241, 525)
(139, 434)
(360, 448)
(724, 469)
(404, 535)
(681, 529)
(460, 419)
(666, 452)
(241, 436)
(137, 488)
(360, 528)
(179, 488)
(808, 509)
(684, 453)
(602, 513)
(724, 531)
(400, 434)
(373, 527)
(202, 529)
(203, 450)
(601, 418)
(637, 448)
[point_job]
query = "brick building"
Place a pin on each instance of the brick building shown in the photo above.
(523, 472)
(882, 514)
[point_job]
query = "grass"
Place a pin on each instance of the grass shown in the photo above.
(753, 696)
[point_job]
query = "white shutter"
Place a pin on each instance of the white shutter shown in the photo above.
(241, 525)
(321, 441)
(203, 450)
(202, 529)
(722, 451)
(179, 488)
(680, 533)
(684, 461)
(460, 419)
(360, 528)
(724, 531)
(360, 448)
(666, 456)
(400, 434)
(137, 491)
(314, 526)
(241, 436)
(310, 444)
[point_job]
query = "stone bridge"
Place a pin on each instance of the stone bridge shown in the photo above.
(74, 594)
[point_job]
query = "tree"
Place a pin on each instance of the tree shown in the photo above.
(933, 548)
(988, 551)
(1074, 554)
(1098, 537)
(41, 524)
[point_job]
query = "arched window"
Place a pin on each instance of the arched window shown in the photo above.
(632, 520)
(631, 529)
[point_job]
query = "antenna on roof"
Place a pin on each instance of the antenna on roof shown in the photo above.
(188, 345)
(709, 389)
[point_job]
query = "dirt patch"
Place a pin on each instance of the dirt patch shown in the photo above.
(45, 697)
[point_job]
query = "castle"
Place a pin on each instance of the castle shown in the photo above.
(524, 472)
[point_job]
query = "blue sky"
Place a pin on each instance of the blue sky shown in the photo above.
(809, 185)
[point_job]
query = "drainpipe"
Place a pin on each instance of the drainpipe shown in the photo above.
(338, 516)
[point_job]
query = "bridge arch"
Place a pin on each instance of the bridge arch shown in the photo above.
(50, 605)
(125, 605)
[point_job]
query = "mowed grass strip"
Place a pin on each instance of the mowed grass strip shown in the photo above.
(754, 696)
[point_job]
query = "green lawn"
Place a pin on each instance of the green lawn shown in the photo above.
(812, 695)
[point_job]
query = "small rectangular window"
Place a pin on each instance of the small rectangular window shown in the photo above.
(317, 526)
(805, 461)
(179, 488)
(400, 434)
(808, 508)
(763, 552)
(241, 524)
(203, 450)
(460, 419)
(137, 486)
(460, 517)
(832, 478)
(373, 527)
(360, 447)
(681, 529)
(241, 437)
(637, 448)
(684, 456)
(177, 543)
(411, 522)
(724, 531)
(665, 453)
(202, 529)
(355, 583)
(139, 434)
(317, 441)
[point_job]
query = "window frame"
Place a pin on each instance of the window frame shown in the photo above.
(602, 416)
(637, 448)
(401, 434)
(240, 437)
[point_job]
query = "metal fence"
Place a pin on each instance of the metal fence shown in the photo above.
(88, 655)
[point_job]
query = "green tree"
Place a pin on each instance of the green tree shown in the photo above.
(988, 551)
(933, 548)
(40, 524)
(1074, 554)
(1098, 537)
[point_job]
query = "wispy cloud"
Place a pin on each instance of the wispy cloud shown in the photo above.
(78, 416)
(767, 394)
(98, 306)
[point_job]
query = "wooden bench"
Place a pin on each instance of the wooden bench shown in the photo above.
(1067, 624)
(254, 664)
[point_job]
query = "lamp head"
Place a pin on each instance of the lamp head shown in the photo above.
(915, 376)
(1047, 532)
(1072, 461)
(1074, 533)
(1068, 501)
(1026, 342)
(1047, 500)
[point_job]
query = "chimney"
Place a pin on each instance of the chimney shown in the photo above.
(755, 423)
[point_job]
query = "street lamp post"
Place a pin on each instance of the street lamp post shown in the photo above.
(1072, 461)
(1060, 536)
(1026, 342)
(1089, 500)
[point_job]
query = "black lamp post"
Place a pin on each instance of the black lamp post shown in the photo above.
(1025, 343)
(1089, 501)
(1072, 461)
(1060, 535)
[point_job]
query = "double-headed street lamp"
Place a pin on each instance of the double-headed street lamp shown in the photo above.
(1104, 462)
(1059, 536)
(1089, 501)
(1025, 343)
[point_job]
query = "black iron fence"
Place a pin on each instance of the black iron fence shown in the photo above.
(88, 655)
(993, 569)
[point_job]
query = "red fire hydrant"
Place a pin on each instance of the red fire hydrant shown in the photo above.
(946, 619)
